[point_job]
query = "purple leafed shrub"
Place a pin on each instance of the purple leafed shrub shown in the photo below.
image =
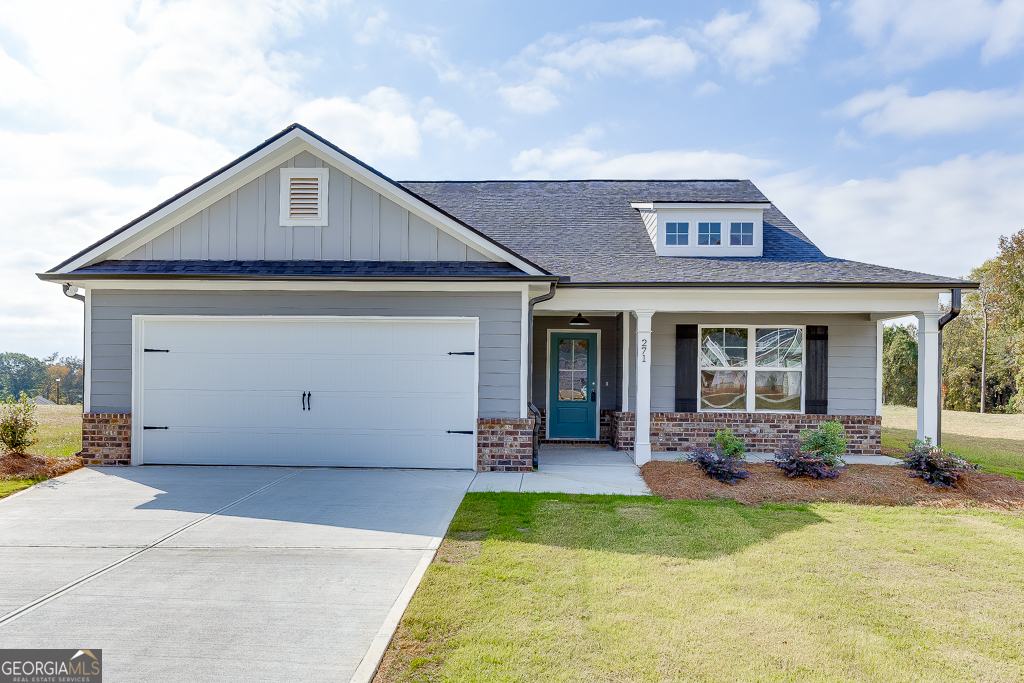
(729, 468)
(795, 463)
(934, 466)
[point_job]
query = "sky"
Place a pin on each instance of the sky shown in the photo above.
(889, 131)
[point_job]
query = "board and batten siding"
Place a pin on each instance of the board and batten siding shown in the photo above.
(852, 348)
(499, 314)
(362, 225)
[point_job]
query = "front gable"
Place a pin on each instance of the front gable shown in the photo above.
(235, 215)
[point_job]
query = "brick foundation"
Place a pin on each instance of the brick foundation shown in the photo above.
(504, 445)
(762, 432)
(107, 439)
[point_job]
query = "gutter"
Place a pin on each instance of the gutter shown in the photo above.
(954, 311)
(529, 359)
(797, 285)
(214, 277)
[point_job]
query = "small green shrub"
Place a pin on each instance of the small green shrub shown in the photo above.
(732, 446)
(934, 466)
(796, 463)
(828, 441)
(17, 424)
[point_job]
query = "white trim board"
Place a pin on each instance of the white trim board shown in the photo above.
(298, 286)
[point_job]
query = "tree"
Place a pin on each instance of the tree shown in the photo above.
(1008, 293)
(899, 365)
(19, 373)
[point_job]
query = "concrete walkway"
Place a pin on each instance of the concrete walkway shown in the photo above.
(571, 469)
(221, 574)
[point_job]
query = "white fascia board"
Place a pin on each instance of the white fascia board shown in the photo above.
(700, 205)
(744, 299)
(192, 203)
(299, 286)
(411, 203)
(265, 160)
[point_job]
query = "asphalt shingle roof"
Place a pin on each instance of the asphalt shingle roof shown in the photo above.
(587, 230)
(339, 269)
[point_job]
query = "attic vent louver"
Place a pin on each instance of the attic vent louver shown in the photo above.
(304, 196)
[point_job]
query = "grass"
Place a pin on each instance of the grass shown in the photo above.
(996, 442)
(556, 587)
(60, 436)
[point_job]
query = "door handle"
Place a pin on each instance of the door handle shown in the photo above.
(303, 400)
(309, 401)
(593, 396)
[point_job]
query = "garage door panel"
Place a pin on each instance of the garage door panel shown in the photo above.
(384, 392)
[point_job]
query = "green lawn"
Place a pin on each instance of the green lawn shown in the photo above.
(996, 442)
(59, 434)
(551, 587)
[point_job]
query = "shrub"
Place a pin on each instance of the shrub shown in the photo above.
(719, 465)
(17, 424)
(795, 462)
(732, 446)
(828, 441)
(935, 466)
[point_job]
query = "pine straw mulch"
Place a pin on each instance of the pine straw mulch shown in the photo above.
(862, 484)
(27, 466)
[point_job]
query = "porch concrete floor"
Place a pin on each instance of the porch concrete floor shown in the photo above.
(571, 469)
(768, 457)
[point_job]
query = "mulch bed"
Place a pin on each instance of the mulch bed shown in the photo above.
(28, 466)
(863, 484)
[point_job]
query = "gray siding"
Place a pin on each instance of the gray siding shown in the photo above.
(609, 376)
(851, 356)
(499, 314)
(362, 225)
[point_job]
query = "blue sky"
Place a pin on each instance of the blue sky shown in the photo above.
(888, 130)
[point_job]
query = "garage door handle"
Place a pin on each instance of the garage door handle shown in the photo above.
(309, 401)
(154, 427)
(462, 353)
(456, 431)
(303, 400)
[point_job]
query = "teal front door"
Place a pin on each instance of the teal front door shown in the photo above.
(572, 396)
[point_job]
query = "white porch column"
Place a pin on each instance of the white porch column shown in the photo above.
(642, 449)
(928, 375)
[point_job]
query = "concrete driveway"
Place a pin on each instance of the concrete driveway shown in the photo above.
(220, 573)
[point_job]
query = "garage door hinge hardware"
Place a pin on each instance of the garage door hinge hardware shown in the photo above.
(307, 400)
(462, 353)
(154, 427)
(456, 431)
(156, 350)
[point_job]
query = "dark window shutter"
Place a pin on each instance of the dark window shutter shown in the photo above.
(686, 368)
(816, 400)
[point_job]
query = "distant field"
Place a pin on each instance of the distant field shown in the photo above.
(996, 442)
(60, 430)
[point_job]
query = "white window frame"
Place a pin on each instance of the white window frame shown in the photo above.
(323, 176)
(752, 369)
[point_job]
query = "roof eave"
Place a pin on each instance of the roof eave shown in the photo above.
(794, 285)
(85, 277)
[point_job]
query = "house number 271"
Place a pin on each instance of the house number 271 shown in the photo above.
(643, 350)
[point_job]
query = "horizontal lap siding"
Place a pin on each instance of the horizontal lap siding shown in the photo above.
(499, 315)
(851, 356)
(608, 368)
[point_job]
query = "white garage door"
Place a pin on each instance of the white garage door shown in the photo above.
(355, 392)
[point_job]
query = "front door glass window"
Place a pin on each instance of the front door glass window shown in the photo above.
(572, 370)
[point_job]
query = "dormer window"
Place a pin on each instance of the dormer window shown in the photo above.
(677, 234)
(703, 229)
(741, 234)
(709, 233)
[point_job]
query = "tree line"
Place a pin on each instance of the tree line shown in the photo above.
(982, 349)
(52, 377)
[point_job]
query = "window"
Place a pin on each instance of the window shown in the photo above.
(741, 233)
(709, 233)
(304, 196)
(677, 234)
(751, 368)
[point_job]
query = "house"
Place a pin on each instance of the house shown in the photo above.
(298, 307)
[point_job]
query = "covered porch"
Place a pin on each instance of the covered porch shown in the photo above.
(632, 368)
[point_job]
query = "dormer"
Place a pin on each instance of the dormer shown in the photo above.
(704, 228)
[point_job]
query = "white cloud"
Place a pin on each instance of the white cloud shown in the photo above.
(751, 47)
(655, 56)
(379, 125)
(907, 34)
(575, 158)
(943, 111)
(634, 25)
(535, 96)
(448, 126)
(943, 219)
(706, 89)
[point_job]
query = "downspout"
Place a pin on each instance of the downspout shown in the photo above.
(529, 356)
(954, 311)
(71, 291)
